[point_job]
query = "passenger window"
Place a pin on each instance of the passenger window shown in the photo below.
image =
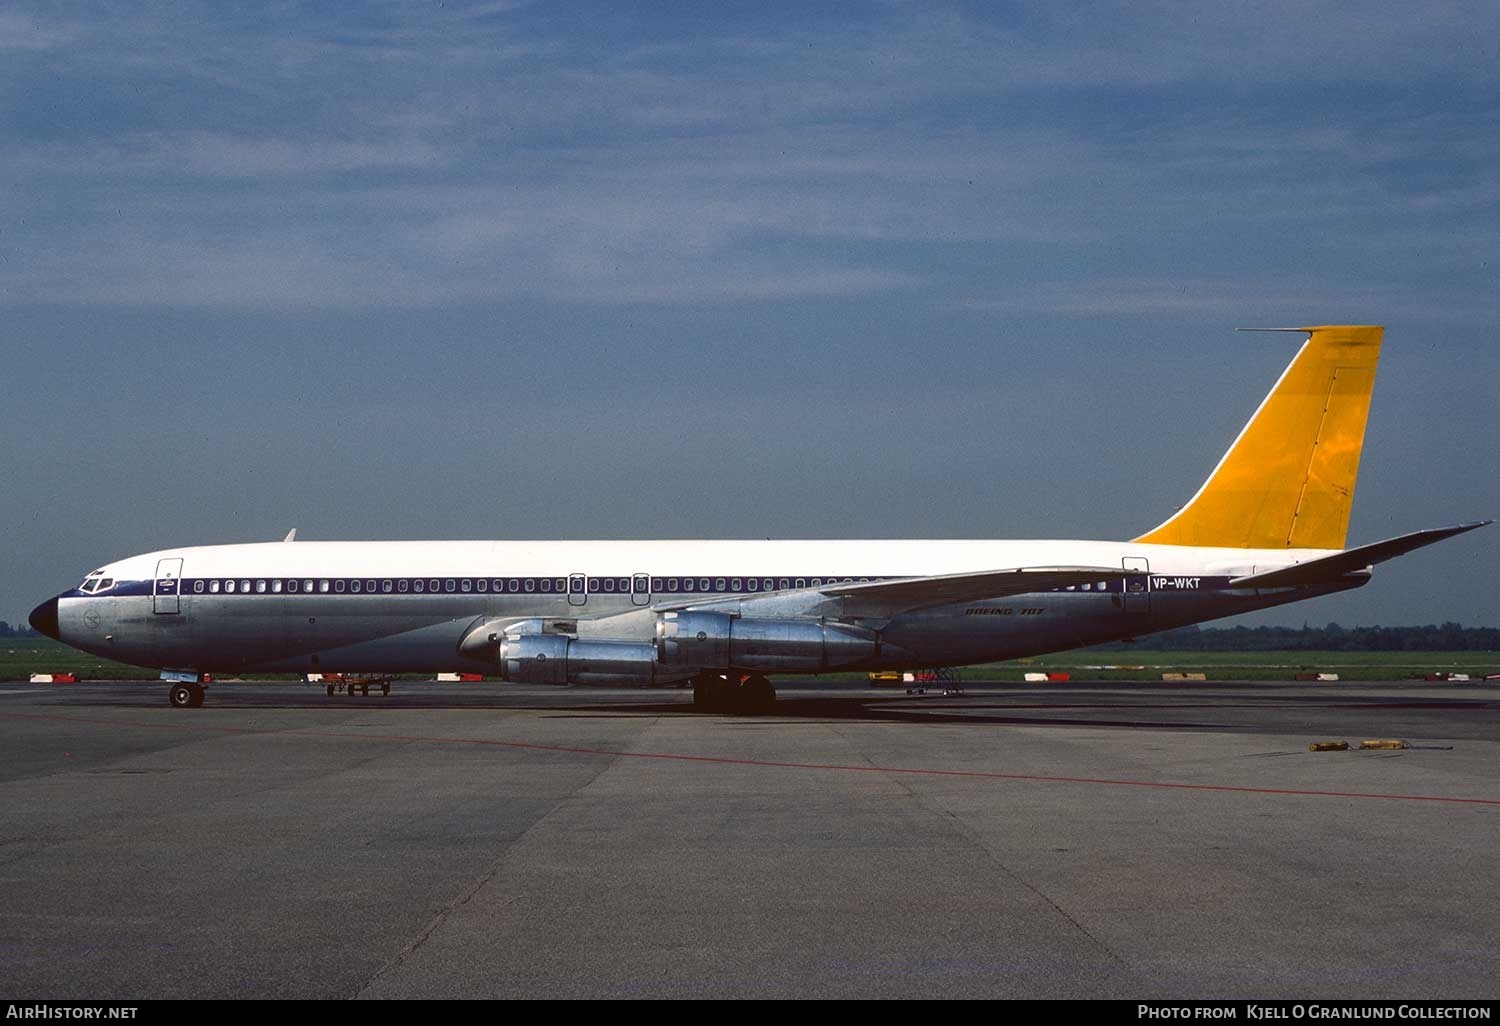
(385, 586)
(703, 584)
(687, 584)
(354, 586)
(323, 586)
(339, 585)
(800, 583)
(609, 584)
(465, 585)
(656, 584)
(276, 586)
(229, 586)
(307, 586)
(402, 585)
(198, 587)
(561, 585)
(671, 584)
(419, 585)
(531, 584)
(546, 584)
(244, 586)
(482, 584)
(448, 584)
(213, 587)
(785, 584)
(736, 585)
(754, 584)
(370, 587)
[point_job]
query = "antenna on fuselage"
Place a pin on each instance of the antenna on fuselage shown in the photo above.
(291, 535)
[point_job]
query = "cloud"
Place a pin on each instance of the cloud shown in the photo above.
(1274, 301)
(402, 156)
(28, 31)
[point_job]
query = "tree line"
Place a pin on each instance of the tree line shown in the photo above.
(1447, 637)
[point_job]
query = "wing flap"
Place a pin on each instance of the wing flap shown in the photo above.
(1329, 568)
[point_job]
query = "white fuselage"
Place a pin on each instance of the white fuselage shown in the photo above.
(410, 606)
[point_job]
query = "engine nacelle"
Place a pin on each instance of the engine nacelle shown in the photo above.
(559, 659)
(721, 641)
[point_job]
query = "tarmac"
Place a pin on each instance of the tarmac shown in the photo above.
(1137, 841)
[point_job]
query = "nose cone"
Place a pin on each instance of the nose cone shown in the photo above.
(43, 618)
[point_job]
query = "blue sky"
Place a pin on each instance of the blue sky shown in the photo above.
(890, 270)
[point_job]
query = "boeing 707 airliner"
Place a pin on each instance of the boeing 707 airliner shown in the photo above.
(1266, 528)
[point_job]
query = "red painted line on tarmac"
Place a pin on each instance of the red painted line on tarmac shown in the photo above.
(763, 763)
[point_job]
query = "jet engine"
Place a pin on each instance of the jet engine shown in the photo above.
(686, 642)
(718, 640)
(559, 659)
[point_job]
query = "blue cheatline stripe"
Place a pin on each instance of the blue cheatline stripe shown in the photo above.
(614, 585)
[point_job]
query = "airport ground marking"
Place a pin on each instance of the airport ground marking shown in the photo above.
(724, 760)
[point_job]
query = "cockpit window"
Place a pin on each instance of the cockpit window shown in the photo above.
(96, 581)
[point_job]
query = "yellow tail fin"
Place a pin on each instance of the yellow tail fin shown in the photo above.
(1288, 480)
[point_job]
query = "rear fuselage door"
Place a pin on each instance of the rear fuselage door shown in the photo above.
(1137, 589)
(167, 586)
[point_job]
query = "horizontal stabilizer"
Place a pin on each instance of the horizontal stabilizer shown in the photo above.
(1329, 568)
(917, 592)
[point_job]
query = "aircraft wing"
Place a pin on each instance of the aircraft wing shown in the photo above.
(1328, 568)
(887, 598)
(918, 592)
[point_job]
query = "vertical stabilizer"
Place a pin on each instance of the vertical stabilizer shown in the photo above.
(1288, 479)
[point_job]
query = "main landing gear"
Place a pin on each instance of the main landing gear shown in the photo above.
(185, 696)
(733, 692)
